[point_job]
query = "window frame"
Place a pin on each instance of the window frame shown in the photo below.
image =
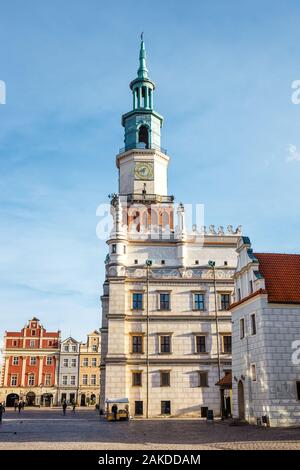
(14, 378)
(196, 309)
(162, 304)
(200, 335)
(136, 373)
(221, 303)
(165, 335)
(165, 373)
(242, 327)
(202, 373)
(253, 324)
(31, 383)
(226, 335)
(137, 305)
(253, 369)
(132, 346)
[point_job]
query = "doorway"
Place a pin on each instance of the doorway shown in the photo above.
(241, 400)
(11, 399)
(30, 399)
(46, 399)
(82, 400)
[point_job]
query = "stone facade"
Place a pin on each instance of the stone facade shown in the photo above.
(89, 370)
(30, 365)
(265, 364)
(153, 316)
(68, 371)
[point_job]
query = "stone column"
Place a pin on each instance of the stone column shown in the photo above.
(40, 369)
(23, 371)
(139, 96)
(6, 371)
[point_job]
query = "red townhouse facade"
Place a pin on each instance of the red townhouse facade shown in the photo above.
(30, 367)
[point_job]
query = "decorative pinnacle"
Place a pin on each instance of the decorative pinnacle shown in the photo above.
(142, 71)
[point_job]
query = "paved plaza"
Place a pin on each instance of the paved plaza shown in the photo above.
(49, 429)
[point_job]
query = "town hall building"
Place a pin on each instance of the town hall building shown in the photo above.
(166, 323)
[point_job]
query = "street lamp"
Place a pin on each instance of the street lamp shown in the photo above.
(148, 265)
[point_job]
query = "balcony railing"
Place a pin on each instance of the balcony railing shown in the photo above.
(145, 197)
(143, 146)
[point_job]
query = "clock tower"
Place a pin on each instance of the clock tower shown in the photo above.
(143, 163)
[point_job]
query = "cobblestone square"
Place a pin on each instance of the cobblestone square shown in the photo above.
(82, 430)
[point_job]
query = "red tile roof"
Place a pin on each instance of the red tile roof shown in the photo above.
(282, 276)
(226, 381)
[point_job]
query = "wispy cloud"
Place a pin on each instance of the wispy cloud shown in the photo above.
(293, 154)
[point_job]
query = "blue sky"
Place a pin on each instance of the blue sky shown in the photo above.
(223, 71)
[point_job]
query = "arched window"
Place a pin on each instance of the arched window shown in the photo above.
(144, 136)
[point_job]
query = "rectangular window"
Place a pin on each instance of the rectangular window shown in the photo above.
(137, 344)
(49, 361)
(250, 287)
(74, 348)
(94, 348)
(31, 380)
(15, 361)
(32, 343)
(33, 333)
(93, 379)
(137, 301)
(203, 379)
(94, 362)
(66, 362)
(164, 301)
(165, 407)
(72, 380)
(242, 328)
(227, 344)
(200, 344)
(15, 343)
(65, 380)
(298, 390)
(253, 372)
(85, 362)
(138, 408)
(239, 294)
(164, 378)
(136, 379)
(13, 380)
(49, 343)
(33, 361)
(66, 348)
(114, 248)
(225, 301)
(48, 380)
(253, 324)
(199, 302)
(165, 344)
(84, 379)
(73, 362)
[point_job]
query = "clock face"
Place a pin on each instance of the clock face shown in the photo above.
(143, 171)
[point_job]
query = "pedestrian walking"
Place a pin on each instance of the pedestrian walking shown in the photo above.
(16, 405)
(64, 407)
(114, 410)
(20, 406)
(73, 406)
(2, 409)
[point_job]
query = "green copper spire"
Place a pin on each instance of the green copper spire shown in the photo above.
(142, 71)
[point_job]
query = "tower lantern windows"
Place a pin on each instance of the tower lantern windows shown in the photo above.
(144, 136)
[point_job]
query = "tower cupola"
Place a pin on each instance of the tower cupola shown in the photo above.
(142, 124)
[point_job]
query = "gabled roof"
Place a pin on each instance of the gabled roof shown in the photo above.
(282, 276)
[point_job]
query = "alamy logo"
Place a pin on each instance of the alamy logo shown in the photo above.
(296, 353)
(2, 92)
(295, 98)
